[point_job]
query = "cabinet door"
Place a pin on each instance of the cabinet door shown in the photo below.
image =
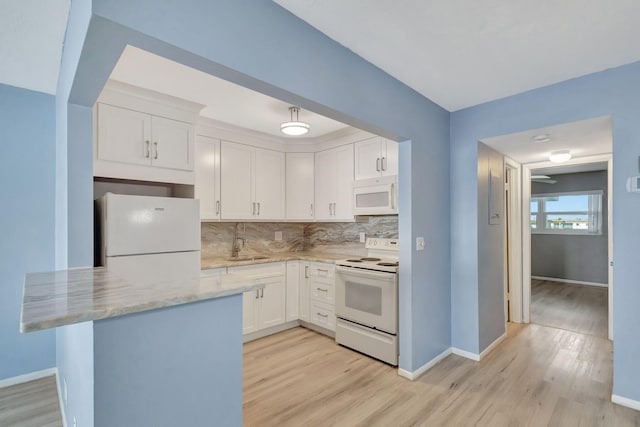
(325, 184)
(390, 158)
(250, 311)
(343, 171)
(303, 291)
(299, 186)
(172, 144)
(123, 135)
(236, 181)
(269, 184)
(293, 294)
(368, 159)
(207, 185)
(272, 303)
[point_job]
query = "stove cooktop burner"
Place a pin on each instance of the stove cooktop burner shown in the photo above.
(354, 260)
(370, 259)
(388, 264)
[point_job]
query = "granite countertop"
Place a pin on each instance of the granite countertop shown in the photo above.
(317, 256)
(64, 297)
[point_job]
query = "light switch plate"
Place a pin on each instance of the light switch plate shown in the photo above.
(363, 237)
(278, 237)
(419, 243)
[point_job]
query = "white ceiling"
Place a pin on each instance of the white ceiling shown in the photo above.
(31, 39)
(558, 170)
(225, 101)
(460, 53)
(584, 138)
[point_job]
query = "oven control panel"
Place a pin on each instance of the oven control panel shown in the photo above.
(382, 244)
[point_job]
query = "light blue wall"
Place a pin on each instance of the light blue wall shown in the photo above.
(614, 92)
(27, 168)
(245, 46)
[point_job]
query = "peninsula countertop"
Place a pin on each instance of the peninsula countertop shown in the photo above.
(64, 297)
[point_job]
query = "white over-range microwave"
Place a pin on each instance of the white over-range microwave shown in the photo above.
(376, 196)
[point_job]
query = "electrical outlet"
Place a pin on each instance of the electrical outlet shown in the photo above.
(278, 237)
(419, 243)
(363, 237)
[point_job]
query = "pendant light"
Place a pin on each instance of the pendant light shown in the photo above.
(294, 127)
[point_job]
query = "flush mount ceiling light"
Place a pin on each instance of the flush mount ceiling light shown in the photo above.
(541, 138)
(560, 156)
(294, 127)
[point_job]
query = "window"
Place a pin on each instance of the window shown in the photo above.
(567, 213)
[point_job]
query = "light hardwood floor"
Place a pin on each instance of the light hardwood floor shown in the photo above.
(538, 376)
(573, 307)
(31, 404)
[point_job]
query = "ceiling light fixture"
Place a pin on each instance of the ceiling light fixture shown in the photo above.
(541, 138)
(560, 156)
(540, 177)
(294, 127)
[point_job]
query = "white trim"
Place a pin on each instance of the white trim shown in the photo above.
(466, 354)
(514, 223)
(493, 345)
(60, 400)
(526, 244)
(574, 282)
(424, 368)
(625, 401)
(7, 382)
(610, 241)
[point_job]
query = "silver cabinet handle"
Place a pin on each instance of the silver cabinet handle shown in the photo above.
(384, 163)
(322, 290)
(330, 209)
(257, 293)
(253, 210)
(378, 164)
(311, 210)
(258, 208)
(262, 293)
(306, 271)
(155, 144)
(393, 196)
(322, 269)
(217, 207)
(334, 208)
(148, 144)
(322, 315)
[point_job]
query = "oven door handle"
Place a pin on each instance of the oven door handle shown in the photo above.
(364, 273)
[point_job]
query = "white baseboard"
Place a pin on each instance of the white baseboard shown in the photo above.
(625, 401)
(464, 353)
(573, 282)
(493, 345)
(424, 368)
(270, 331)
(61, 401)
(27, 377)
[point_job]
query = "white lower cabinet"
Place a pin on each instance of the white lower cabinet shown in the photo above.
(317, 294)
(266, 307)
(293, 290)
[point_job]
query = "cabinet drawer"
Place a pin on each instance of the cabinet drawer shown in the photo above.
(322, 271)
(323, 315)
(322, 292)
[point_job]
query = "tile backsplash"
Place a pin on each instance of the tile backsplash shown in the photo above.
(259, 237)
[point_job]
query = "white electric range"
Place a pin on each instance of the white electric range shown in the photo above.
(367, 301)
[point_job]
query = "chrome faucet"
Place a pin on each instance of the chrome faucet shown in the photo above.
(235, 249)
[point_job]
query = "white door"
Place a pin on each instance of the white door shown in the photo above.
(368, 158)
(272, 303)
(172, 144)
(250, 311)
(207, 184)
(269, 184)
(123, 135)
(325, 184)
(389, 162)
(236, 181)
(299, 186)
(344, 174)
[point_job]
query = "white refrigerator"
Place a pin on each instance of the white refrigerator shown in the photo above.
(149, 239)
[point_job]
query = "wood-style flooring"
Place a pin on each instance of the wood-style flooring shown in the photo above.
(31, 404)
(537, 376)
(567, 306)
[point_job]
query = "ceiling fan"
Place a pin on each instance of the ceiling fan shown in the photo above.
(543, 178)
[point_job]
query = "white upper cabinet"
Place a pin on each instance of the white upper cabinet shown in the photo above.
(252, 183)
(207, 185)
(333, 180)
(375, 157)
(299, 186)
(143, 135)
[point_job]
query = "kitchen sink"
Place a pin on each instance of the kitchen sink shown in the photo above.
(248, 258)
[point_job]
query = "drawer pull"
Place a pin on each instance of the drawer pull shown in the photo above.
(322, 269)
(322, 290)
(322, 315)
